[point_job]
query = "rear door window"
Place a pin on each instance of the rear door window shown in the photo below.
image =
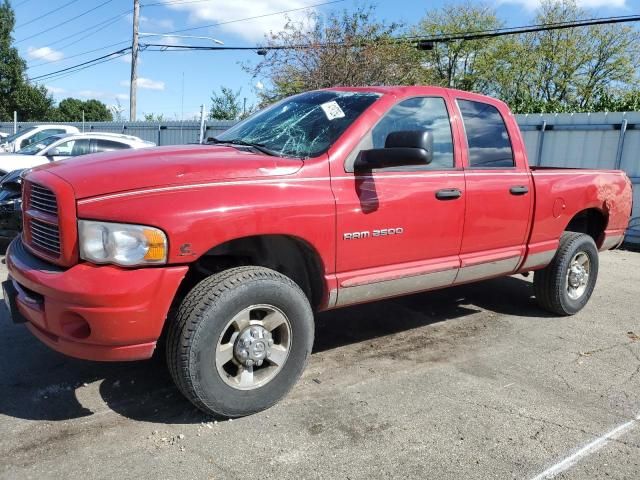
(487, 136)
(109, 146)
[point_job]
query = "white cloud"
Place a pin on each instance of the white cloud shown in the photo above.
(45, 53)
(55, 90)
(146, 84)
(122, 96)
(533, 4)
(220, 11)
(152, 23)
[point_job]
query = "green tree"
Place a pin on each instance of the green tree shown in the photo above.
(152, 117)
(70, 110)
(573, 69)
(227, 105)
(32, 102)
(348, 49)
(462, 64)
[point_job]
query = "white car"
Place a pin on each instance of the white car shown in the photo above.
(3, 136)
(58, 147)
(29, 135)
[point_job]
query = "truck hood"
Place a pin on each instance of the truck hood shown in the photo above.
(13, 161)
(129, 170)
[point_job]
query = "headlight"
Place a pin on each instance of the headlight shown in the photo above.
(122, 244)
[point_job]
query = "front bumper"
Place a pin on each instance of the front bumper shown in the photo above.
(93, 312)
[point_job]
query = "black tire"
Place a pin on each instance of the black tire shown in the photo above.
(200, 321)
(550, 283)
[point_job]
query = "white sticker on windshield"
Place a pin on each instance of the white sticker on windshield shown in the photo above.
(332, 110)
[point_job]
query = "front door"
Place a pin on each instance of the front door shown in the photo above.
(400, 229)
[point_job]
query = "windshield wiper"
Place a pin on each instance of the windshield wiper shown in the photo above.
(238, 141)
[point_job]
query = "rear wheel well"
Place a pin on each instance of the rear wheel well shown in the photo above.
(288, 255)
(591, 221)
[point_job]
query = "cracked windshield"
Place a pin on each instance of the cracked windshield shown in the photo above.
(302, 126)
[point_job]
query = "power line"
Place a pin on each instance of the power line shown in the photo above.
(46, 14)
(58, 25)
(92, 28)
(88, 62)
(168, 2)
(92, 31)
(480, 34)
(172, 2)
(63, 75)
(282, 12)
(78, 54)
(440, 38)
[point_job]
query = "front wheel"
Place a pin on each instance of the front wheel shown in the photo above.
(240, 341)
(566, 284)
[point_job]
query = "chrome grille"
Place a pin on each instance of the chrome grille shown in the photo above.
(45, 236)
(43, 200)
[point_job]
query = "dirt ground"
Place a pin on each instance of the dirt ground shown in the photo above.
(473, 382)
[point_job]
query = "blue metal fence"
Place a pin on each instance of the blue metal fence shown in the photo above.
(588, 140)
(160, 133)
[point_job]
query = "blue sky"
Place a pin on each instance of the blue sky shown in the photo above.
(53, 43)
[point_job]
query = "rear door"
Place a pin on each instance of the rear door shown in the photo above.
(498, 189)
(397, 233)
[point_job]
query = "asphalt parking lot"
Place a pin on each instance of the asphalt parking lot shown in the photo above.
(474, 382)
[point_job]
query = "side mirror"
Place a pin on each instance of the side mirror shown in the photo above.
(403, 148)
(54, 152)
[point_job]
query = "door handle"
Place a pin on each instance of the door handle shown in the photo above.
(448, 194)
(519, 190)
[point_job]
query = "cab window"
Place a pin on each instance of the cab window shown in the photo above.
(487, 136)
(418, 113)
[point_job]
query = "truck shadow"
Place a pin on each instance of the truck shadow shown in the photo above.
(40, 384)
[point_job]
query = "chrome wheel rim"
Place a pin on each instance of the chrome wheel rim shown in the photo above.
(253, 347)
(578, 275)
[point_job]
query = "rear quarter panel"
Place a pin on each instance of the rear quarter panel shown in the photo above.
(563, 193)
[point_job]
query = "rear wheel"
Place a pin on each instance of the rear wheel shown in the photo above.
(240, 341)
(566, 284)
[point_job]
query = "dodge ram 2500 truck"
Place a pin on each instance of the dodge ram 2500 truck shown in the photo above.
(223, 252)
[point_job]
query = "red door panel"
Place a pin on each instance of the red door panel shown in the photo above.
(429, 228)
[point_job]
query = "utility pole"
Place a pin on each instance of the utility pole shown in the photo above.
(134, 62)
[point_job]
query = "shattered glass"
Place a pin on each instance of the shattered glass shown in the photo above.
(302, 126)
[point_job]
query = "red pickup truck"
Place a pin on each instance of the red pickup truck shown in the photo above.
(223, 252)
